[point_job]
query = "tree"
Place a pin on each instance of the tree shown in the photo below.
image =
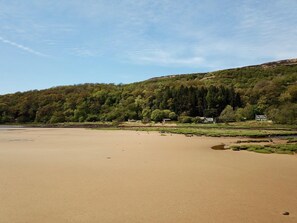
(92, 118)
(184, 119)
(249, 112)
(157, 115)
(286, 114)
(166, 113)
(239, 115)
(57, 117)
(227, 115)
(146, 114)
(292, 90)
(211, 97)
(172, 116)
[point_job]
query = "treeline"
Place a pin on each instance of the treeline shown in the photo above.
(87, 103)
(229, 95)
(196, 101)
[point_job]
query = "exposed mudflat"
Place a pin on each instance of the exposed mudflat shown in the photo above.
(88, 176)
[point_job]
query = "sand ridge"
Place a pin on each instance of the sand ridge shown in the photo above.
(78, 175)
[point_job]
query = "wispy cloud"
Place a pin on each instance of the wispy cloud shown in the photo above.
(165, 58)
(84, 52)
(215, 33)
(22, 47)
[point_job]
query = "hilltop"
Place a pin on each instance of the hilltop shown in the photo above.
(232, 94)
(287, 62)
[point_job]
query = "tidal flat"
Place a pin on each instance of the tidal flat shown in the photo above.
(79, 175)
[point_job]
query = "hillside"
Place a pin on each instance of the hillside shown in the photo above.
(233, 94)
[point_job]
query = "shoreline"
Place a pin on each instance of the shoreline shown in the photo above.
(198, 130)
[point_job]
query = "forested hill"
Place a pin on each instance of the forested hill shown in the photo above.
(233, 94)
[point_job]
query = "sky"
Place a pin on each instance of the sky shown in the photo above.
(46, 43)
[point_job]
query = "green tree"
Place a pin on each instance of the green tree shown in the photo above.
(57, 117)
(146, 114)
(184, 119)
(157, 115)
(172, 116)
(239, 115)
(92, 118)
(248, 112)
(292, 90)
(286, 114)
(166, 113)
(228, 114)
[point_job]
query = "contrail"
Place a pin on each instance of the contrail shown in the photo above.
(27, 49)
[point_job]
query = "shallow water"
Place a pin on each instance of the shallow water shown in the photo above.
(4, 127)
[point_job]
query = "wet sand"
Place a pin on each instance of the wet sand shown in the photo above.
(77, 175)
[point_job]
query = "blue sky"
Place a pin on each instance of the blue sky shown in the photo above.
(46, 43)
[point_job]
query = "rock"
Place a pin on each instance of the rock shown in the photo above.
(189, 135)
(219, 147)
(286, 213)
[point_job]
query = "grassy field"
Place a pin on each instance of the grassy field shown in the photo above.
(278, 148)
(247, 129)
(244, 125)
(217, 132)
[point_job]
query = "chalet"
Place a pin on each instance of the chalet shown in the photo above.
(261, 118)
(208, 120)
(165, 119)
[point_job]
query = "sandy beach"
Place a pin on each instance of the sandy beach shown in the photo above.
(78, 175)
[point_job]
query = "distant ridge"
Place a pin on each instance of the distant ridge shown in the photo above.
(286, 62)
(282, 62)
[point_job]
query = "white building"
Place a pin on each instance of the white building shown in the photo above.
(261, 118)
